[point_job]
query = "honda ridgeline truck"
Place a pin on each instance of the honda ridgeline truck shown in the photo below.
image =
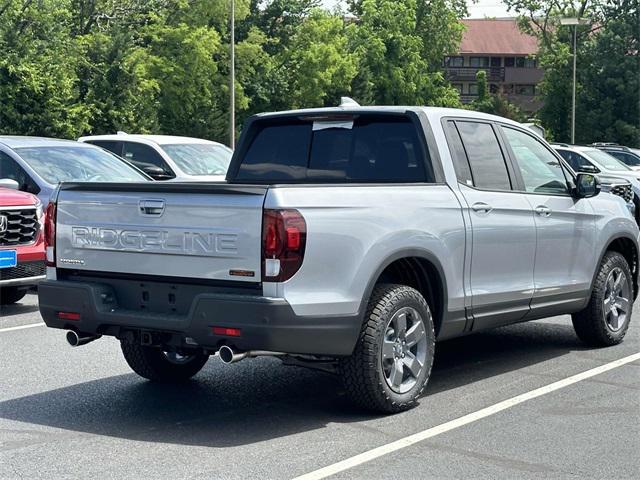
(348, 239)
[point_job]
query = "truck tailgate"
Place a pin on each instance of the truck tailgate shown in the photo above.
(195, 231)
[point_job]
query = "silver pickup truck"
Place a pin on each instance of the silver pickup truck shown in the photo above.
(347, 239)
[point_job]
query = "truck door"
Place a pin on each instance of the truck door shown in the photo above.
(565, 227)
(503, 243)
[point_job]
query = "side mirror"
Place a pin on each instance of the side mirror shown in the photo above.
(587, 185)
(9, 183)
(589, 169)
(157, 173)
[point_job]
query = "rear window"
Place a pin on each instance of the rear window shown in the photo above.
(366, 148)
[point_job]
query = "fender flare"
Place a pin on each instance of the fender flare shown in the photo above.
(606, 248)
(406, 253)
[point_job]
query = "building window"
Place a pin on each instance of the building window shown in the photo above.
(496, 61)
(509, 61)
(478, 62)
(525, 62)
(458, 87)
(526, 90)
(493, 88)
(453, 61)
(473, 89)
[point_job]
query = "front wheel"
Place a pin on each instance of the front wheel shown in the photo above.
(606, 318)
(160, 366)
(392, 360)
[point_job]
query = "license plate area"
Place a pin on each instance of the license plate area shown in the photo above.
(8, 258)
(151, 296)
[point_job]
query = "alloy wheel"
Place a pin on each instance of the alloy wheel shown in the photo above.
(404, 350)
(616, 303)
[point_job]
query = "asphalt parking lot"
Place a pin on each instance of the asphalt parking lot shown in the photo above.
(81, 413)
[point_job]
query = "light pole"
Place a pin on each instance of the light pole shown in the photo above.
(232, 74)
(575, 22)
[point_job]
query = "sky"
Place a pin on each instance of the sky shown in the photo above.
(478, 9)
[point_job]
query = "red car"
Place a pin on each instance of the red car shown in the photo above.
(21, 244)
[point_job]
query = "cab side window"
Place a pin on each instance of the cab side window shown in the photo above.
(9, 168)
(540, 169)
(483, 152)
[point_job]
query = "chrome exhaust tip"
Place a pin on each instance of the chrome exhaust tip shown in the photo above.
(75, 340)
(227, 355)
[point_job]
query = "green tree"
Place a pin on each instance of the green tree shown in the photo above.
(495, 104)
(608, 74)
(38, 84)
(394, 54)
(319, 62)
(70, 67)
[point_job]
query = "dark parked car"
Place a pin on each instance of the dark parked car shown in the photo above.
(622, 153)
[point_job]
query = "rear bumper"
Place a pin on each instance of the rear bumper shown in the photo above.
(266, 323)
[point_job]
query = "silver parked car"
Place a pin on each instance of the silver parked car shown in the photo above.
(38, 164)
(165, 157)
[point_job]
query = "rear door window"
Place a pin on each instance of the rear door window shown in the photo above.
(459, 157)
(483, 151)
(365, 148)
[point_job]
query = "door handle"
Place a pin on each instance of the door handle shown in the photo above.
(154, 208)
(543, 211)
(481, 207)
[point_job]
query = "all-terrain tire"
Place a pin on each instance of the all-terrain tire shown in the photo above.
(591, 324)
(363, 374)
(9, 295)
(153, 364)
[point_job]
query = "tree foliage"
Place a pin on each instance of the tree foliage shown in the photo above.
(401, 50)
(495, 104)
(608, 67)
(72, 67)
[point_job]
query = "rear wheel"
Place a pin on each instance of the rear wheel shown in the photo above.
(606, 319)
(391, 363)
(161, 366)
(9, 295)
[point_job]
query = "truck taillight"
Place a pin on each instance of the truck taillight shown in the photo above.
(284, 237)
(50, 234)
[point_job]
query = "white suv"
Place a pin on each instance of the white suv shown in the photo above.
(165, 157)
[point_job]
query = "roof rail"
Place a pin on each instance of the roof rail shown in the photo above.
(605, 144)
(120, 132)
(557, 144)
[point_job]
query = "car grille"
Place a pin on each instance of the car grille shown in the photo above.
(623, 191)
(23, 270)
(21, 227)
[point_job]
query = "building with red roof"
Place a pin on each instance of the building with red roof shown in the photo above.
(505, 53)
